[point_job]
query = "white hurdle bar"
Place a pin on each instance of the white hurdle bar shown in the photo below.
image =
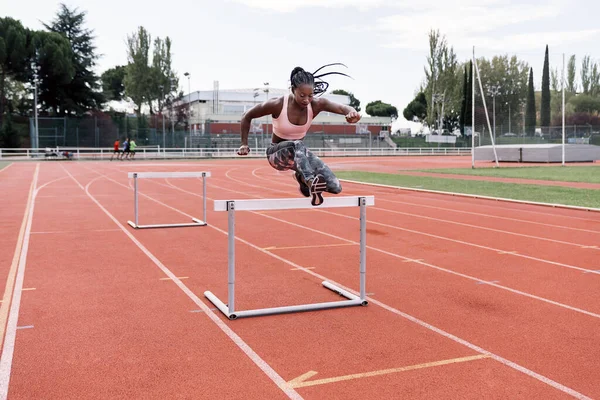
(287, 204)
(167, 175)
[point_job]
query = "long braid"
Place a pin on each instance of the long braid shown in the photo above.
(301, 77)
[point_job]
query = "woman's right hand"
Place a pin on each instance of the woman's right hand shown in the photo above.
(243, 150)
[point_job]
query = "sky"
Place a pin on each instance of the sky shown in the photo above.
(383, 43)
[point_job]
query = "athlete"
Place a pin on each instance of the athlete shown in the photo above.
(292, 117)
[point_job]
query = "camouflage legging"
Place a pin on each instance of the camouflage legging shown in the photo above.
(295, 156)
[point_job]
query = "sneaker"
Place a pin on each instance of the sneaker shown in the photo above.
(317, 186)
(303, 188)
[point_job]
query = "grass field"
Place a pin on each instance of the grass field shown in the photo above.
(4, 164)
(529, 192)
(589, 174)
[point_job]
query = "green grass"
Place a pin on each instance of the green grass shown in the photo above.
(528, 192)
(4, 164)
(589, 174)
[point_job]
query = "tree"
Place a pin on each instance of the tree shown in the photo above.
(595, 81)
(148, 80)
(81, 94)
(506, 77)
(545, 103)
(586, 74)
(18, 97)
(571, 86)
(112, 83)
(530, 113)
(465, 110)
(554, 80)
(417, 108)
(162, 73)
(555, 96)
(584, 103)
(442, 77)
(54, 58)
(468, 119)
(137, 76)
(354, 102)
(380, 109)
(9, 137)
(15, 56)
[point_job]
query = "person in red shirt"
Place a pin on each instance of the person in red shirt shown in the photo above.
(116, 150)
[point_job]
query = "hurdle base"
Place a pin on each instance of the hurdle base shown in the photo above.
(352, 301)
(197, 222)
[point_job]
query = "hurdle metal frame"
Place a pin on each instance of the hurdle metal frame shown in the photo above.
(160, 175)
(286, 204)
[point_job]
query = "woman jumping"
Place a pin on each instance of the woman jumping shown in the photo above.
(292, 116)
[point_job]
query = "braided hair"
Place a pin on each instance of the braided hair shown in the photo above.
(301, 77)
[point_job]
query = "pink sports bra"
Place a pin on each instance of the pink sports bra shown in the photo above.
(283, 128)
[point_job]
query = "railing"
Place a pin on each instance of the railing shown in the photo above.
(94, 153)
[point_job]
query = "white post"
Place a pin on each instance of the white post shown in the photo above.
(494, 112)
(487, 117)
(363, 247)
(204, 196)
(473, 111)
(231, 256)
(37, 131)
(563, 111)
(135, 198)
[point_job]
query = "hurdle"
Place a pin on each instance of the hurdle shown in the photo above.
(158, 175)
(231, 206)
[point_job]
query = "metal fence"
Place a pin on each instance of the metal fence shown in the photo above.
(158, 153)
(102, 131)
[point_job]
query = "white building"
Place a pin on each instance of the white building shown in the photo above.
(220, 111)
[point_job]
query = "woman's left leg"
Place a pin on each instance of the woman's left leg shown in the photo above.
(312, 174)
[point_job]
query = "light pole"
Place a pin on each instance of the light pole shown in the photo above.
(162, 92)
(35, 69)
(439, 98)
(171, 98)
(267, 92)
(189, 103)
(509, 118)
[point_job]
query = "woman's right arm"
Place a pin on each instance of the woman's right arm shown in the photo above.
(260, 110)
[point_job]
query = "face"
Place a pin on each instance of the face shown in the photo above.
(303, 95)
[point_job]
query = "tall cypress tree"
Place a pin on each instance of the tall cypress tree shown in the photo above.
(545, 106)
(468, 110)
(530, 113)
(463, 106)
(465, 111)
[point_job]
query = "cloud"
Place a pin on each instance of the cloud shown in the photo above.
(535, 40)
(486, 24)
(510, 43)
(286, 6)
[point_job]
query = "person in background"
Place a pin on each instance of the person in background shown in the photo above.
(132, 147)
(115, 150)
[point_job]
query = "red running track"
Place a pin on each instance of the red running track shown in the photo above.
(468, 298)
